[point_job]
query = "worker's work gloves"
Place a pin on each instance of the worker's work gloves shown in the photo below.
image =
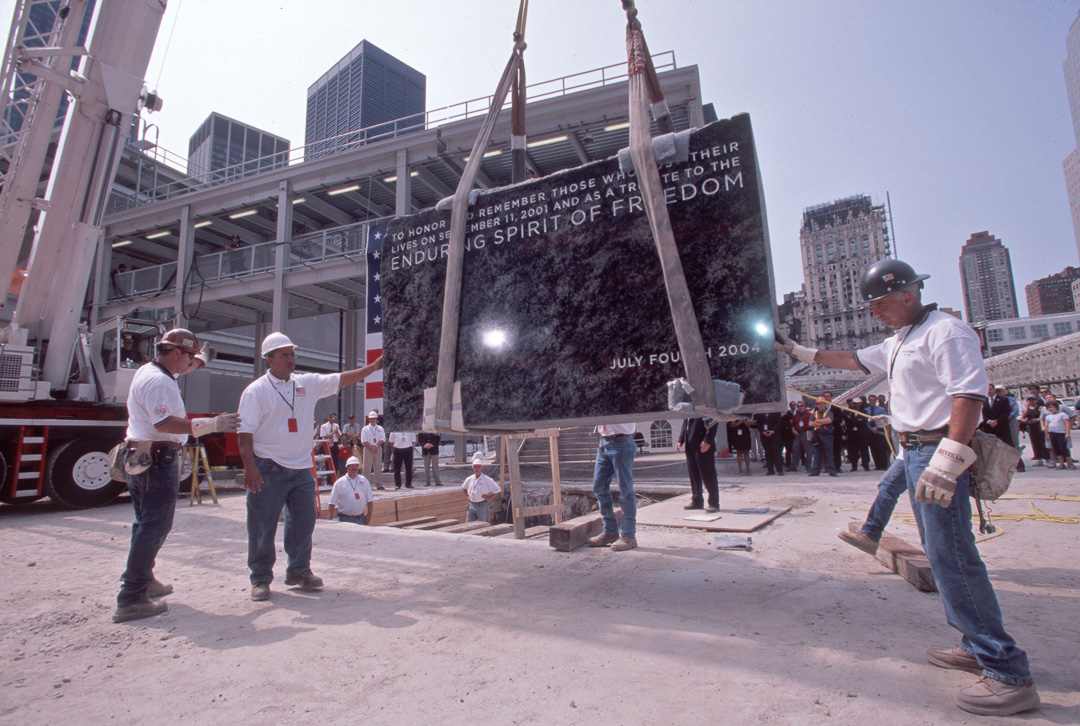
(938, 482)
(226, 422)
(206, 354)
(785, 344)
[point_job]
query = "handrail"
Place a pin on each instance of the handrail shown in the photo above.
(204, 179)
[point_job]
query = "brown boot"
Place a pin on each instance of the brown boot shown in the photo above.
(624, 543)
(989, 697)
(602, 540)
(860, 540)
(955, 658)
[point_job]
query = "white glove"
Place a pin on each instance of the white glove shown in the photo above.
(785, 344)
(227, 422)
(938, 482)
(206, 354)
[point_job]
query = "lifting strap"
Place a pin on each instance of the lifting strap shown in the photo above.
(518, 139)
(455, 256)
(645, 87)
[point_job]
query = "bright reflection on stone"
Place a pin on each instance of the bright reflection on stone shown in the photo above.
(494, 339)
(762, 329)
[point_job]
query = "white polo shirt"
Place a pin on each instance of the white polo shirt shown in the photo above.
(615, 429)
(330, 431)
(932, 363)
(351, 496)
(372, 434)
(266, 406)
(478, 487)
(154, 398)
(402, 440)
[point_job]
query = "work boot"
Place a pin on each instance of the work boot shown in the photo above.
(158, 589)
(990, 697)
(860, 540)
(260, 591)
(624, 543)
(145, 608)
(712, 510)
(955, 658)
(602, 540)
(694, 505)
(306, 581)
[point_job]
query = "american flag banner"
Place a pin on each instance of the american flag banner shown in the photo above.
(373, 338)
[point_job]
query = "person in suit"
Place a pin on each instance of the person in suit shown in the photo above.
(698, 436)
(769, 426)
(995, 413)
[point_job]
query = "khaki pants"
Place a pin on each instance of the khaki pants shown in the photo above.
(372, 467)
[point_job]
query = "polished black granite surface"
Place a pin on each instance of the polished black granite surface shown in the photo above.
(564, 314)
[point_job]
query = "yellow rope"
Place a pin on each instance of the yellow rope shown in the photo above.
(888, 439)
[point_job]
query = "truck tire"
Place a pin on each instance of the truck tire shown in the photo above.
(77, 474)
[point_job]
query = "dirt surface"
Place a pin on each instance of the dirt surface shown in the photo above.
(461, 629)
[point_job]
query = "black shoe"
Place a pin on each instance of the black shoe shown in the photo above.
(408, 486)
(397, 487)
(694, 506)
(833, 473)
(306, 581)
(712, 510)
(866, 468)
(780, 473)
(770, 473)
(818, 474)
(145, 608)
(854, 469)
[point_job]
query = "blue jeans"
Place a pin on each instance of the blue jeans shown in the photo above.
(478, 512)
(893, 483)
(355, 519)
(153, 497)
(616, 456)
(970, 603)
(293, 489)
(822, 448)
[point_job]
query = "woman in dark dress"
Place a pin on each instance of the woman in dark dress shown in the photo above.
(738, 436)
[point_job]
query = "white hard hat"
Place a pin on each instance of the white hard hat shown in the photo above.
(274, 341)
(373, 414)
(352, 460)
(478, 461)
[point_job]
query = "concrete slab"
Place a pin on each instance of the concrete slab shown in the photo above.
(730, 518)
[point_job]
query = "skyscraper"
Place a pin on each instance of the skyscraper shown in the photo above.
(226, 150)
(1071, 165)
(987, 278)
(1053, 294)
(839, 240)
(368, 89)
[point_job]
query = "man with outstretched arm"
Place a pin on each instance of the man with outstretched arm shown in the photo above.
(157, 427)
(275, 439)
(938, 383)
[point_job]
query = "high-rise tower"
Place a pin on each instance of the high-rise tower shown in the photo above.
(987, 278)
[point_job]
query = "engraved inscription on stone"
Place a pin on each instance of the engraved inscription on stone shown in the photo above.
(564, 313)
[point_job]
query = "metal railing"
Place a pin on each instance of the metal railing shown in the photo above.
(204, 179)
(304, 251)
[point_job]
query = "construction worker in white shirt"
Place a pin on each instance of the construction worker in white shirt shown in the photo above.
(480, 490)
(372, 437)
(351, 499)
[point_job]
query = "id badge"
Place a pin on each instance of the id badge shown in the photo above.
(293, 428)
(356, 494)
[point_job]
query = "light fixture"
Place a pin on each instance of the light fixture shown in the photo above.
(207, 223)
(248, 213)
(617, 127)
(352, 188)
(545, 142)
(159, 235)
(299, 200)
(487, 155)
(392, 179)
(121, 243)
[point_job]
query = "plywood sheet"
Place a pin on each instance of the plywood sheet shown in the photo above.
(670, 513)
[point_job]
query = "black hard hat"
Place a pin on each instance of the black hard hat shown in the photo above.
(885, 277)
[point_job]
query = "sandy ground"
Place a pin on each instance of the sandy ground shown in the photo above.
(461, 629)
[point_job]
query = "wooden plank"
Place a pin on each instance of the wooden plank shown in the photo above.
(410, 522)
(570, 535)
(383, 511)
(465, 527)
(556, 482)
(434, 525)
(536, 511)
(530, 532)
(904, 559)
(516, 496)
(494, 530)
(538, 434)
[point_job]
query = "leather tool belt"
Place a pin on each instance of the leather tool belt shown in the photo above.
(911, 439)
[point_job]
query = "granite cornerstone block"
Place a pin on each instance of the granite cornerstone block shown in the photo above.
(564, 315)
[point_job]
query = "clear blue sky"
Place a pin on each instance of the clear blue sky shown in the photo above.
(957, 108)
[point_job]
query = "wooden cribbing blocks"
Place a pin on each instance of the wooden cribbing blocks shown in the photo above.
(570, 535)
(905, 560)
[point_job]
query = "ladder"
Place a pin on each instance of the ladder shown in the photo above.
(29, 464)
(321, 466)
(509, 445)
(194, 455)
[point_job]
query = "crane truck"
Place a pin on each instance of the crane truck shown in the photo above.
(63, 387)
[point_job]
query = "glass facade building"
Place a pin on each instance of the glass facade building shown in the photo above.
(224, 150)
(367, 95)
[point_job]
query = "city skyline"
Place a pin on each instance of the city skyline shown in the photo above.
(966, 129)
